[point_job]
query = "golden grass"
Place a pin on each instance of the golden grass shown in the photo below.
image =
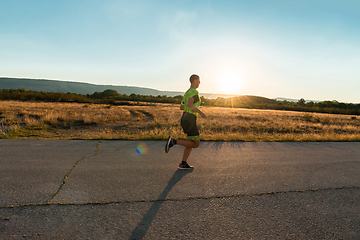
(158, 121)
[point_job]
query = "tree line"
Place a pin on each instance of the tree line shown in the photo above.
(112, 97)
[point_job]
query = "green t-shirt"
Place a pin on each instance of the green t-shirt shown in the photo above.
(193, 93)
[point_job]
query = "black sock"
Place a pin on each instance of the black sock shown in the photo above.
(183, 162)
(174, 141)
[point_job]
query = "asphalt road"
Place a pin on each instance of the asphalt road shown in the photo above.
(53, 189)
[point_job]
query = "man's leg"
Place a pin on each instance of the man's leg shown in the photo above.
(187, 151)
(186, 143)
(189, 145)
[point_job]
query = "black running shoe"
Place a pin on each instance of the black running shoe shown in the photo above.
(169, 144)
(185, 166)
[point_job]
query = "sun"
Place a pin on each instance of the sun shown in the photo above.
(229, 83)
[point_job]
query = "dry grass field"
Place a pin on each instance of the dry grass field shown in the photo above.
(158, 121)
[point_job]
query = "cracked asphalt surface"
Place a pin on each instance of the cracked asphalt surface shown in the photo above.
(57, 189)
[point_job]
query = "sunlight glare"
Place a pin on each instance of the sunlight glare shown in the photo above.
(229, 83)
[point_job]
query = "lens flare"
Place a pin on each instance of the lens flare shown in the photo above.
(142, 148)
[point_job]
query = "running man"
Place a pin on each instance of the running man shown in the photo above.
(190, 104)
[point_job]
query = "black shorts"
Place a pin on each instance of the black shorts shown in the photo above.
(188, 123)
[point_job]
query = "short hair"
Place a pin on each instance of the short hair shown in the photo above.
(194, 77)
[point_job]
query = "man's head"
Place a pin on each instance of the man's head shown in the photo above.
(195, 81)
(194, 77)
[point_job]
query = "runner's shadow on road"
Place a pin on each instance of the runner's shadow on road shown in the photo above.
(141, 229)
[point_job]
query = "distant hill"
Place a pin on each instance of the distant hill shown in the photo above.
(294, 100)
(42, 85)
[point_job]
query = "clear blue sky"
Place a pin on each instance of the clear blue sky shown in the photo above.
(273, 48)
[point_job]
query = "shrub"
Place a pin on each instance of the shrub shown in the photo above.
(307, 117)
(326, 120)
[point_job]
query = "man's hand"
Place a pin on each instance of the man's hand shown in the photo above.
(202, 114)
